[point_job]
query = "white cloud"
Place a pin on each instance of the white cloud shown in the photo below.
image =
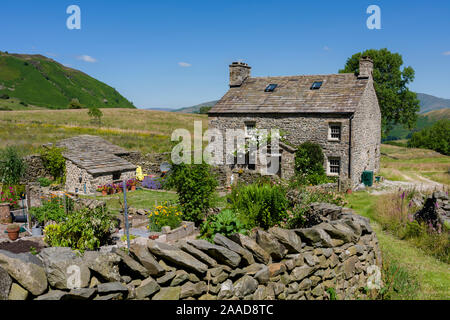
(184, 64)
(326, 48)
(87, 58)
(446, 53)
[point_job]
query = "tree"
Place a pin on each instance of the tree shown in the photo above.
(398, 105)
(436, 138)
(75, 104)
(205, 109)
(96, 114)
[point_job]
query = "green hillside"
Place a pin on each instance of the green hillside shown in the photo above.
(35, 80)
(424, 121)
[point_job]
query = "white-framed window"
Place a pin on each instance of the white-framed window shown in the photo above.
(334, 166)
(250, 129)
(334, 131)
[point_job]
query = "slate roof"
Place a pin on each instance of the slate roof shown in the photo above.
(340, 93)
(96, 155)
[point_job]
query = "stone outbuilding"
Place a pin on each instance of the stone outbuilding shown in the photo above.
(340, 112)
(92, 161)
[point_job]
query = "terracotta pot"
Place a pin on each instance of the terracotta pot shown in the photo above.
(13, 234)
(133, 188)
(349, 191)
(104, 193)
(5, 214)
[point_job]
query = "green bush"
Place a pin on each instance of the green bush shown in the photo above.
(12, 166)
(226, 223)
(309, 160)
(44, 182)
(82, 230)
(436, 137)
(54, 162)
(96, 114)
(263, 205)
(195, 186)
(75, 104)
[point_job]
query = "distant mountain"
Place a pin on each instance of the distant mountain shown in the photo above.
(160, 109)
(40, 81)
(196, 108)
(429, 103)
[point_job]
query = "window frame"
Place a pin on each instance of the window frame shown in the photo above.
(316, 88)
(329, 166)
(330, 131)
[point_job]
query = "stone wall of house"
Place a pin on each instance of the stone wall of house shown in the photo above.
(89, 183)
(340, 255)
(366, 137)
(298, 128)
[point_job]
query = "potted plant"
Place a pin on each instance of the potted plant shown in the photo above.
(13, 231)
(132, 183)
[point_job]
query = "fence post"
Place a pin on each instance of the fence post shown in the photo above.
(125, 211)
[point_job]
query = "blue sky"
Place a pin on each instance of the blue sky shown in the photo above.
(176, 53)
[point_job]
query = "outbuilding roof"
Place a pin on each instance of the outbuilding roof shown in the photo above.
(96, 155)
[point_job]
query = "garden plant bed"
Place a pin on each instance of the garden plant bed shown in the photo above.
(21, 246)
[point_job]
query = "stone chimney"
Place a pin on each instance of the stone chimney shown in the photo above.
(365, 68)
(239, 71)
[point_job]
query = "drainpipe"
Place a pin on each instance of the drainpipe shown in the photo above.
(350, 147)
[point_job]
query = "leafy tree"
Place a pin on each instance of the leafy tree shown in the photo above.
(12, 166)
(75, 104)
(398, 104)
(436, 138)
(96, 114)
(204, 110)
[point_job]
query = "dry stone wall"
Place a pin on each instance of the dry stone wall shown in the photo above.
(339, 253)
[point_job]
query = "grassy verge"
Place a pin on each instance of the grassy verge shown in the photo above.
(416, 275)
(139, 199)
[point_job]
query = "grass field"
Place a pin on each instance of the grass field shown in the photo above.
(143, 130)
(407, 164)
(431, 275)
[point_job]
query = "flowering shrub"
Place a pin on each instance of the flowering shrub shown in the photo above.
(11, 195)
(395, 212)
(152, 183)
(164, 215)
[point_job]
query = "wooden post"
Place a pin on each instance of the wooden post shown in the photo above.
(125, 212)
(28, 195)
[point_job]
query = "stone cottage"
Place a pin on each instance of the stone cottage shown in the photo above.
(340, 112)
(92, 161)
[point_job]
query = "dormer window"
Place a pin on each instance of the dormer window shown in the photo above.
(271, 87)
(316, 85)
